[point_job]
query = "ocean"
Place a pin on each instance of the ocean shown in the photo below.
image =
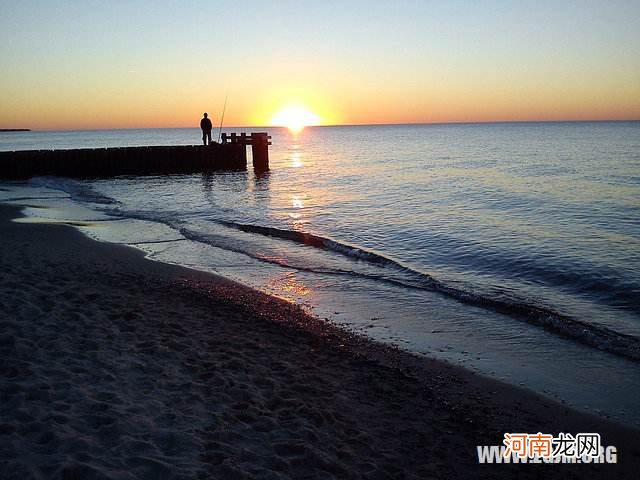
(511, 249)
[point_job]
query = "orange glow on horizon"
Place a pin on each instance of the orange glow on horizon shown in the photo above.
(298, 105)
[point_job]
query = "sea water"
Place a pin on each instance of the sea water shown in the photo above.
(512, 249)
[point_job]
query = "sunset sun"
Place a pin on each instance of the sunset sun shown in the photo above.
(295, 118)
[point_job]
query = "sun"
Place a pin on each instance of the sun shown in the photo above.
(295, 118)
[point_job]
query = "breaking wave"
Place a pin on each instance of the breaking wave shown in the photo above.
(597, 336)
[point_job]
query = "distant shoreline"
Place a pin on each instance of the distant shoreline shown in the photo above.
(15, 129)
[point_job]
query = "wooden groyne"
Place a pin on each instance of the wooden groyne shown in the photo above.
(259, 147)
(231, 154)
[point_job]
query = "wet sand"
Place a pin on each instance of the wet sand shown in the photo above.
(114, 366)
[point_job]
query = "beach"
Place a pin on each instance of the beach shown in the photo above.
(115, 366)
(400, 242)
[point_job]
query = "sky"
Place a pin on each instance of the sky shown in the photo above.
(136, 64)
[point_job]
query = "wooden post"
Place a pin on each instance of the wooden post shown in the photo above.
(260, 151)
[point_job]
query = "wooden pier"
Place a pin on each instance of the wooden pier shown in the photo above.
(259, 147)
(231, 155)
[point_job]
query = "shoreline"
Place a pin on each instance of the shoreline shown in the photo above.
(248, 384)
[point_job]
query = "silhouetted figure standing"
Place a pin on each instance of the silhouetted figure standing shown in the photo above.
(205, 125)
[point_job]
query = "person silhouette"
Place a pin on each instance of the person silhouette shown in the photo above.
(205, 125)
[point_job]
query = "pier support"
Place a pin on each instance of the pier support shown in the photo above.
(259, 142)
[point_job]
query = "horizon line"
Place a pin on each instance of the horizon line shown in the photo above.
(490, 122)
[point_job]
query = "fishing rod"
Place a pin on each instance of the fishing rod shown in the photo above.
(224, 109)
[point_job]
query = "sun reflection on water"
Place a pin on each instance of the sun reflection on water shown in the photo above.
(296, 160)
(289, 284)
(297, 202)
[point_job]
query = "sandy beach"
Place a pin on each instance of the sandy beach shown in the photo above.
(114, 366)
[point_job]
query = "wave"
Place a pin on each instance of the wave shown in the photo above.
(313, 241)
(79, 191)
(589, 334)
(398, 274)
